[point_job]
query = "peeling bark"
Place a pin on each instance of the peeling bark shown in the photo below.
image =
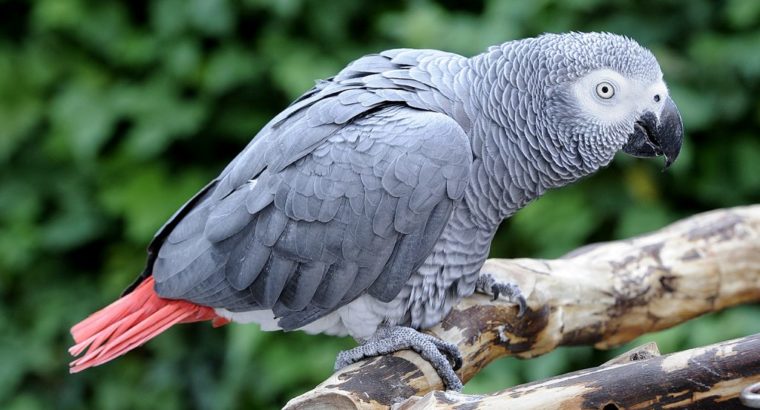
(603, 295)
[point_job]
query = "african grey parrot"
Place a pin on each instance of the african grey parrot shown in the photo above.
(367, 207)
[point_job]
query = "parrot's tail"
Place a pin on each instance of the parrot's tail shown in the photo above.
(129, 322)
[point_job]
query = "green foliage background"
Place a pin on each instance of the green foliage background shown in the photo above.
(113, 113)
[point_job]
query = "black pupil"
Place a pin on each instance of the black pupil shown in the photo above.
(657, 98)
(605, 89)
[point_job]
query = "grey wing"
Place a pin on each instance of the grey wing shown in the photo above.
(354, 213)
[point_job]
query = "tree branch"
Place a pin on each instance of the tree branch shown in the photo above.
(708, 377)
(602, 294)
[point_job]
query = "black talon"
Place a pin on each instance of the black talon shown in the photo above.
(456, 360)
(457, 363)
(522, 306)
(495, 291)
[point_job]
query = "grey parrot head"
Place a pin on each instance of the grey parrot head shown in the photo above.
(603, 93)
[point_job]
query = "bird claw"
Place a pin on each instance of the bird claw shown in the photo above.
(487, 285)
(443, 356)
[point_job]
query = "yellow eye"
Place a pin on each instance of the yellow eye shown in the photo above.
(605, 90)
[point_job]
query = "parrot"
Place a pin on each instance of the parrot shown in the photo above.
(367, 207)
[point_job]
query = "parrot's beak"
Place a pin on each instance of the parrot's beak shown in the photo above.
(653, 137)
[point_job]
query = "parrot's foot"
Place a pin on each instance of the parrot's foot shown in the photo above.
(487, 285)
(443, 356)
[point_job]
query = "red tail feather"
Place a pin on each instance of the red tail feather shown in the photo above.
(129, 322)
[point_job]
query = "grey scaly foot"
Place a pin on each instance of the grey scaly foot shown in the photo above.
(443, 356)
(487, 285)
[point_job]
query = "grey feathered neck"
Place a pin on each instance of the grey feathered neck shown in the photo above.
(514, 91)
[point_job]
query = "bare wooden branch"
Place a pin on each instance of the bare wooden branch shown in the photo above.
(602, 295)
(708, 377)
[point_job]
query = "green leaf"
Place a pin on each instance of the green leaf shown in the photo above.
(642, 218)
(159, 116)
(148, 198)
(228, 67)
(82, 116)
(212, 17)
(556, 223)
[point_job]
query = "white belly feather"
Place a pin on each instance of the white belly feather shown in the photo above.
(359, 319)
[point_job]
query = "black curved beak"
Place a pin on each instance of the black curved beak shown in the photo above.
(653, 137)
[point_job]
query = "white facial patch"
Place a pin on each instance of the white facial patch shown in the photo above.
(611, 98)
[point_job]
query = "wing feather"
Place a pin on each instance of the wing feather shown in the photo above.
(342, 194)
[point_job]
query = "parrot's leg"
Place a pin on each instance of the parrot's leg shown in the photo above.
(487, 285)
(443, 356)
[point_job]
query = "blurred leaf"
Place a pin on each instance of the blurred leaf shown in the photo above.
(737, 52)
(168, 18)
(296, 71)
(696, 109)
(742, 14)
(557, 223)
(183, 60)
(211, 16)
(641, 183)
(159, 115)
(640, 219)
(229, 67)
(76, 222)
(63, 14)
(747, 154)
(148, 198)
(548, 365)
(20, 106)
(83, 117)
(26, 402)
(496, 376)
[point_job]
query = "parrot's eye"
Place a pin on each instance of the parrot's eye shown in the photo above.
(657, 98)
(605, 90)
